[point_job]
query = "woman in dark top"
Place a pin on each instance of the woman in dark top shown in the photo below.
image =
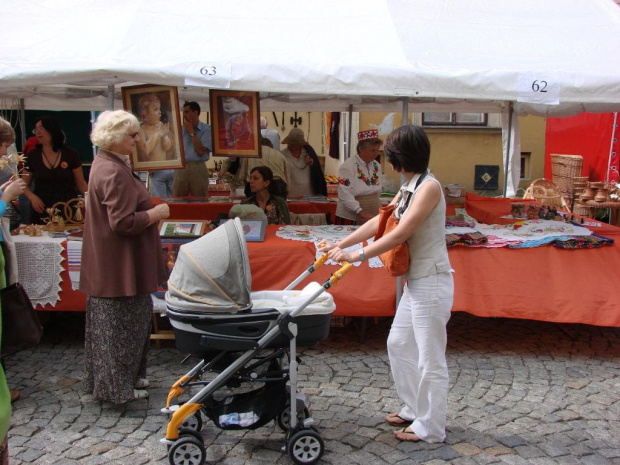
(265, 196)
(55, 169)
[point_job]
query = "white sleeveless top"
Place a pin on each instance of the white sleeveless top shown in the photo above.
(428, 253)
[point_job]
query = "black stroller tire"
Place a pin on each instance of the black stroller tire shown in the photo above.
(305, 447)
(193, 421)
(187, 450)
(284, 418)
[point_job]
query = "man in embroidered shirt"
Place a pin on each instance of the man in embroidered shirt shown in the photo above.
(194, 178)
(359, 182)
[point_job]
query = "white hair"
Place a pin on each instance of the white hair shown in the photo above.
(112, 126)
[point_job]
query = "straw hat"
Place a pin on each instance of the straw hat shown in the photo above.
(295, 136)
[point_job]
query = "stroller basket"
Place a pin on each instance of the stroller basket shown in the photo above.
(248, 410)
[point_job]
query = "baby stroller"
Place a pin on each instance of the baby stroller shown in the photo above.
(245, 342)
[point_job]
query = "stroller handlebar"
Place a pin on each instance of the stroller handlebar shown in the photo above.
(338, 275)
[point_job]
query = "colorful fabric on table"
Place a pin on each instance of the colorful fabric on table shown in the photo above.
(74, 259)
(467, 239)
(538, 242)
(587, 242)
(332, 233)
(532, 230)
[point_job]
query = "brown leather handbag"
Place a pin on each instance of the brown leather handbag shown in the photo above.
(21, 328)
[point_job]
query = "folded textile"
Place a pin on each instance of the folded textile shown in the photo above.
(583, 242)
(467, 239)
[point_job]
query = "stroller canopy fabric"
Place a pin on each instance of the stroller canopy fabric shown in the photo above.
(212, 274)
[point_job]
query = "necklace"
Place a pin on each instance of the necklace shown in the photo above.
(51, 165)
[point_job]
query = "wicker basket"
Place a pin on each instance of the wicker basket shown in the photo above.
(583, 210)
(563, 169)
(545, 192)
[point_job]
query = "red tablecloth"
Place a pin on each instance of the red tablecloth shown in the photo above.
(542, 283)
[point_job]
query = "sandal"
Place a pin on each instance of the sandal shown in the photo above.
(395, 419)
(407, 436)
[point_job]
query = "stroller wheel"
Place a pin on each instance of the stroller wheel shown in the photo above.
(187, 450)
(284, 418)
(188, 432)
(305, 447)
(193, 421)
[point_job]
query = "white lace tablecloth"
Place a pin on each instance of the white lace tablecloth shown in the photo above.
(39, 266)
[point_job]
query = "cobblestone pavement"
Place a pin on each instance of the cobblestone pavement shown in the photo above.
(520, 392)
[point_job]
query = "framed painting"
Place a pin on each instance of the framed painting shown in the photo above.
(170, 251)
(235, 123)
(182, 228)
(160, 143)
(253, 230)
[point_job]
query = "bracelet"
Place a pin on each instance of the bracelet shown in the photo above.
(362, 256)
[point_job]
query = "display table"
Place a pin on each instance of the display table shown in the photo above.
(543, 283)
(188, 209)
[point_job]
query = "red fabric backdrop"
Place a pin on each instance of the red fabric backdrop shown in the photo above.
(588, 135)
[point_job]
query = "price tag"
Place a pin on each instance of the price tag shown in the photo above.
(539, 88)
(208, 74)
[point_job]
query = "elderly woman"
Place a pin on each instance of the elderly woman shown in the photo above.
(306, 175)
(9, 190)
(122, 264)
(359, 181)
(266, 196)
(417, 339)
(55, 169)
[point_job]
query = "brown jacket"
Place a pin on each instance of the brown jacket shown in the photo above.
(121, 255)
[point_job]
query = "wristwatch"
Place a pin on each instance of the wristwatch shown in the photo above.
(362, 256)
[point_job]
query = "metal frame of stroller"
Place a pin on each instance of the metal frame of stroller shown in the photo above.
(303, 442)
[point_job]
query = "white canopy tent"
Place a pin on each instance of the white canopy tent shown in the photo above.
(557, 57)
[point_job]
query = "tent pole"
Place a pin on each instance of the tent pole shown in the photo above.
(347, 154)
(507, 160)
(22, 121)
(611, 145)
(111, 97)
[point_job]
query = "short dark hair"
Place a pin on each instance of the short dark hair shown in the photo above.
(192, 106)
(408, 149)
(53, 127)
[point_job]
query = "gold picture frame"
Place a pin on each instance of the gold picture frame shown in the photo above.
(235, 123)
(160, 142)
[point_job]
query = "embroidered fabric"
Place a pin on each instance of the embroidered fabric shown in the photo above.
(40, 266)
(74, 265)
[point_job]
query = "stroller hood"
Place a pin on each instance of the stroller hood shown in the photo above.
(212, 274)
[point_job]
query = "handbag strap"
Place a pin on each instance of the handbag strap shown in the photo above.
(405, 203)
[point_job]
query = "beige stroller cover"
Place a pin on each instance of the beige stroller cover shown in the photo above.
(212, 274)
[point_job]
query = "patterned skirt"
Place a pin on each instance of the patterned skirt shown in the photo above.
(116, 345)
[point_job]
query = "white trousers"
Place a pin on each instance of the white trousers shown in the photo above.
(417, 351)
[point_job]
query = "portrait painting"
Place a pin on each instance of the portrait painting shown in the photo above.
(235, 123)
(159, 145)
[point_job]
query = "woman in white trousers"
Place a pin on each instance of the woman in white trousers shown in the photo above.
(417, 339)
